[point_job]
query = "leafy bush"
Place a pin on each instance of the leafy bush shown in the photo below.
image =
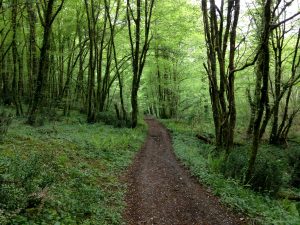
(294, 163)
(269, 173)
(235, 166)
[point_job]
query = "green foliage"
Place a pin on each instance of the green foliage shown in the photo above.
(235, 166)
(293, 153)
(65, 173)
(172, 70)
(200, 159)
(270, 169)
(25, 180)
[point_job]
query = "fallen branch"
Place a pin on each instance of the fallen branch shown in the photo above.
(205, 139)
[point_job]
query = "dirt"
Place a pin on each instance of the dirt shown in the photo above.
(161, 191)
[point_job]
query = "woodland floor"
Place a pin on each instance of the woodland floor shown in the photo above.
(162, 192)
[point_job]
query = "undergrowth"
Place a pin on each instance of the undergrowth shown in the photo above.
(66, 172)
(200, 158)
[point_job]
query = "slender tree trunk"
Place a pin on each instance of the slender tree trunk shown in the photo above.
(15, 88)
(100, 80)
(91, 77)
(32, 66)
(279, 133)
(262, 97)
(79, 90)
(112, 31)
(277, 48)
(252, 114)
(6, 91)
(21, 76)
(231, 80)
(134, 105)
(61, 66)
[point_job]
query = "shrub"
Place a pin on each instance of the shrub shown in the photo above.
(235, 165)
(294, 163)
(269, 173)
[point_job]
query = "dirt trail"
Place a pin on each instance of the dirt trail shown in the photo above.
(162, 192)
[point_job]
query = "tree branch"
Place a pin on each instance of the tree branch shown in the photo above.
(273, 26)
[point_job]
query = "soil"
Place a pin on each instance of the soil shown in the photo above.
(161, 191)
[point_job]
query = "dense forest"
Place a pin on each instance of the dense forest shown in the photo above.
(77, 77)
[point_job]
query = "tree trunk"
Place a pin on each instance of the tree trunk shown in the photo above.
(279, 133)
(79, 90)
(6, 91)
(263, 68)
(49, 17)
(134, 105)
(139, 48)
(252, 114)
(91, 77)
(112, 30)
(218, 34)
(15, 88)
(32, 66)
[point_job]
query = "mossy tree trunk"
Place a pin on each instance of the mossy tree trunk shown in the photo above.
(220, 69)
(262, 81)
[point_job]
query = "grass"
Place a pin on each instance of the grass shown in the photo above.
(65, 172)
(197, 156)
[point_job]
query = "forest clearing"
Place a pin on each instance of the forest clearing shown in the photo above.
(168, 112)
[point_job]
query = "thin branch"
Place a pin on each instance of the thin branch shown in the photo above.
(273, 26)
(248, 64)
(57, 11)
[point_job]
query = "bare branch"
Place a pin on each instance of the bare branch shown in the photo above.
(273, 26)
(57, 11)
(248, 64)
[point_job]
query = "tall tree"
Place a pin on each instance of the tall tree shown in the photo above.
(139, 44)
(262, 83)
(47, 19)
(32, 48)
(90, 12)
(262, 102)
(279, 88)
(220, 31)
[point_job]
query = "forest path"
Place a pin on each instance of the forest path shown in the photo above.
(162, 192)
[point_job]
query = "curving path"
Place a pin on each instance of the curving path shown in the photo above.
(161, 191)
